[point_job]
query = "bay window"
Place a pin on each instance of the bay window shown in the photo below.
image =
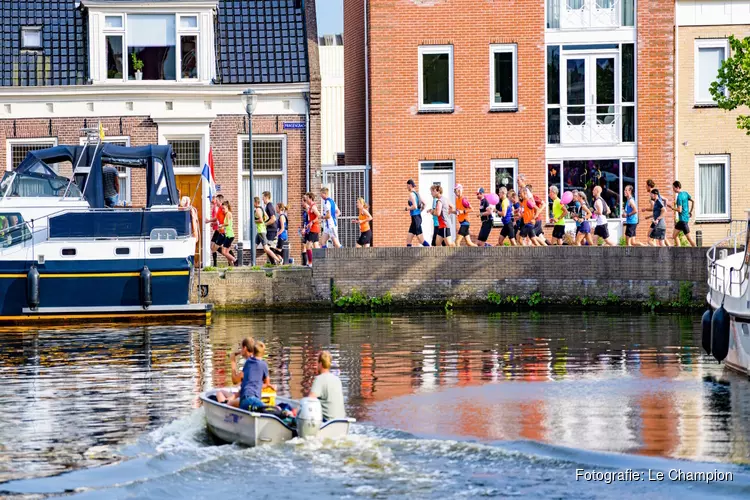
(712, 187)
(149, 46)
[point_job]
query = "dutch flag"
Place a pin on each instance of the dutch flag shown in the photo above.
(208, 174)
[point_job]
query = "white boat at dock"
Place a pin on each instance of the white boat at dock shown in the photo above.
(726, 324)
(233, 425)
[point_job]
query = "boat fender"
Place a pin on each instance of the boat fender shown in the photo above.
(32, 288)
(309, 417)
(145, 287)
(720, 334)
(706, 330)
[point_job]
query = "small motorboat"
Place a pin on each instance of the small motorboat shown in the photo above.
(233, 425)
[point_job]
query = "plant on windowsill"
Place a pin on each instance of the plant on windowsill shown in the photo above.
(137, 66)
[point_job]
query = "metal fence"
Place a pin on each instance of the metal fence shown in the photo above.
(346, 184)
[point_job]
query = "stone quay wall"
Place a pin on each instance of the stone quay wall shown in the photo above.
(420, 276)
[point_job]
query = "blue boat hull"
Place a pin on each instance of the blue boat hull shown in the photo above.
(111, 284)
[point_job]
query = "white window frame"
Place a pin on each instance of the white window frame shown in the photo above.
(105, 31)
(705, 159)
(503, 163)
(708, 43)
(498, 49)
(121, 175)
(52, 141)
(435, 49)
(241, 209)
(179, 32)
(30, 29)
(198, 169)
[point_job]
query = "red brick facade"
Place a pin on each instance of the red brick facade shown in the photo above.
(655, 70)
(472, 135)
(354, 83)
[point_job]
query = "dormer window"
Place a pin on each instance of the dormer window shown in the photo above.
(31, 37)
(148, 43)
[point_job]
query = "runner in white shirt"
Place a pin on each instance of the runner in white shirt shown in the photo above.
(329, 213)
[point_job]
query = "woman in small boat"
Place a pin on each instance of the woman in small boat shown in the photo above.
(228, 233)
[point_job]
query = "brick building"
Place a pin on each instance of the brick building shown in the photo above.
(68, 64)
(710, 149)
(569, 93)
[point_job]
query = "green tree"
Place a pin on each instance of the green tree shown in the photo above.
(732, 87)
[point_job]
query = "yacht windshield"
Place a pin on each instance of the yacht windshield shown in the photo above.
(30, 184)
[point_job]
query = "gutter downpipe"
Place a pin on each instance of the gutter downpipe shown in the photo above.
(367, 89)
(307, 142)
(677, 94)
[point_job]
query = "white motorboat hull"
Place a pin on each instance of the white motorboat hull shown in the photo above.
(233, 425)
(738, 357)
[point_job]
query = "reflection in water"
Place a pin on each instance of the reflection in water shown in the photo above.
(71, 398)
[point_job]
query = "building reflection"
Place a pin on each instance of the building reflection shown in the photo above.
(634, 385)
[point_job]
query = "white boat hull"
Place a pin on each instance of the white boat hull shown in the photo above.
(738, 357)
(233, 425)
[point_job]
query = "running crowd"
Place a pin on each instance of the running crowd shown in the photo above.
(522, 216)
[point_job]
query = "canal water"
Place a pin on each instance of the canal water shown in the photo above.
(448, 405)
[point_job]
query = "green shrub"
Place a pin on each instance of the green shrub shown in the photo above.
(535, 299)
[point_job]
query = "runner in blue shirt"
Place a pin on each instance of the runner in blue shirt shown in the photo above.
(683, 205)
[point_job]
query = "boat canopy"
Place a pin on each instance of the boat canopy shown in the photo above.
(157, 160)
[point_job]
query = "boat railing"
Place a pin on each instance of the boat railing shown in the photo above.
(727, 279)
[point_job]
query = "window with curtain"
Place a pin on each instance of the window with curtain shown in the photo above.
(710, 54)
(712, 187)
(268, 175)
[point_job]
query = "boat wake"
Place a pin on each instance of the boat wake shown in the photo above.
(179, 460)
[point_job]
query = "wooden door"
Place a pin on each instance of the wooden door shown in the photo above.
(191, 185)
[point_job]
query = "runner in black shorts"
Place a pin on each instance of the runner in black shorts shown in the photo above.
(485, 215)
(415, 207)
(217, 238)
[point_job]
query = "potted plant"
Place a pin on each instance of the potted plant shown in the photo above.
(137, 66)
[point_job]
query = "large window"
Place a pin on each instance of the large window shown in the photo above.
(269, 170)
(436, 77)
(19, 149)
(151, 46)
(712, 187)
(583, 175)
(503, 76)
(709, 55)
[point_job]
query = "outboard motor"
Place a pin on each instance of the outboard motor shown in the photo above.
(720, 334)
(706, 330)
(309, 417)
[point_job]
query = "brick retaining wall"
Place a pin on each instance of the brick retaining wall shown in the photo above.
(469, 274)
(418, 275)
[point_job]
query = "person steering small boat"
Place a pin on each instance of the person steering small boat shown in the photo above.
(327, 388)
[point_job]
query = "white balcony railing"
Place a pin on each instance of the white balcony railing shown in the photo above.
(585, 14)
(593, 124)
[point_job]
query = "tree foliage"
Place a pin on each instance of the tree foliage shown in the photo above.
(732, 87)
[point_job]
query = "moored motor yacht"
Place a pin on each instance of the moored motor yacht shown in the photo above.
(726, 324)
(65, 254)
